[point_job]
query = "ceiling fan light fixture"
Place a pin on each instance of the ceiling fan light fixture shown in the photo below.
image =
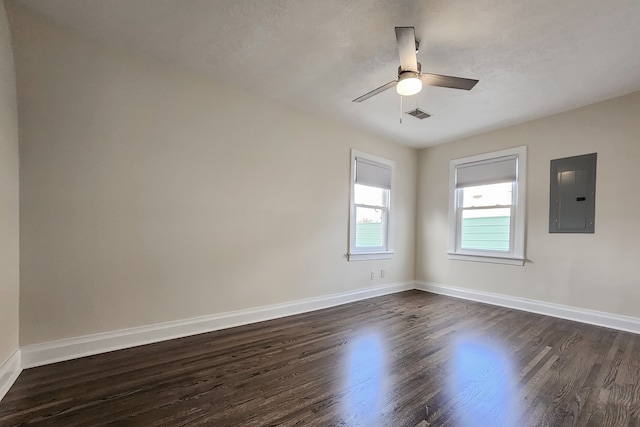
(409, 83)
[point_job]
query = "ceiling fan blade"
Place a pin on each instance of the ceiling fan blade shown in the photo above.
(406, 37)
(376, 91)
(447, 81)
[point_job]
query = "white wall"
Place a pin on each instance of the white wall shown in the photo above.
(151, 194)
(9, 225)
(596, 271)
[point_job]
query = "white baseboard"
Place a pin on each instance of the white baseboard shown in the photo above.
(72, 348)
(9, 372)
(593, 317)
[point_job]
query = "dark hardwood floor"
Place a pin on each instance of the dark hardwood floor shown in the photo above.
(407, 359)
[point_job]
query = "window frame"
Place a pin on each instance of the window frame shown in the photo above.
(516, 254)
(378, 252)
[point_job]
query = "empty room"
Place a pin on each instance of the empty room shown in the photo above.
(323, 213)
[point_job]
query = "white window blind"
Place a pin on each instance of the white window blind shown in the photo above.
(492, 171)
(372, 173)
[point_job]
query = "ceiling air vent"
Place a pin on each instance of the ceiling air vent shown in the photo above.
(418, 113)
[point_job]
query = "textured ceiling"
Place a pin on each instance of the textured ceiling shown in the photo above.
(533, 58)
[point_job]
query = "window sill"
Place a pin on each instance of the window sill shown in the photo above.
(362, 256)
(494, 259)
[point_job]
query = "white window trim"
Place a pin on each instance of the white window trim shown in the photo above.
(369, 253)
(517, 256)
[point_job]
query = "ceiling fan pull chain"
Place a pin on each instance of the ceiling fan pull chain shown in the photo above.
(400, 109)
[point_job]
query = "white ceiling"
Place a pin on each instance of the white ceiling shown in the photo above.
(533, 58)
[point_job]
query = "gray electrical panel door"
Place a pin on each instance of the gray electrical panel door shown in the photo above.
(572, 204)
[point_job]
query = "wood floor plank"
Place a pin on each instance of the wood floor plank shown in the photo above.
(408, 359)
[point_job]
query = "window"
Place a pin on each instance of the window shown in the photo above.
(487, 206)
(369, 236)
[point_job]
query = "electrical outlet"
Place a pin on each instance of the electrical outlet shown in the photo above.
(382, 274)
(373, 275)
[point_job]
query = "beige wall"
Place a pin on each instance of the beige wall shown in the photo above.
(150, 194)
(9, 228)
(596, 271)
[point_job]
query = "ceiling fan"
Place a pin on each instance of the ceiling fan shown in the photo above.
(410, 75)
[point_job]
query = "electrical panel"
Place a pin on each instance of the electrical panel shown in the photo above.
(572, 203)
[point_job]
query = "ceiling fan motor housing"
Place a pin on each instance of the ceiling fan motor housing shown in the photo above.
(400, 70)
